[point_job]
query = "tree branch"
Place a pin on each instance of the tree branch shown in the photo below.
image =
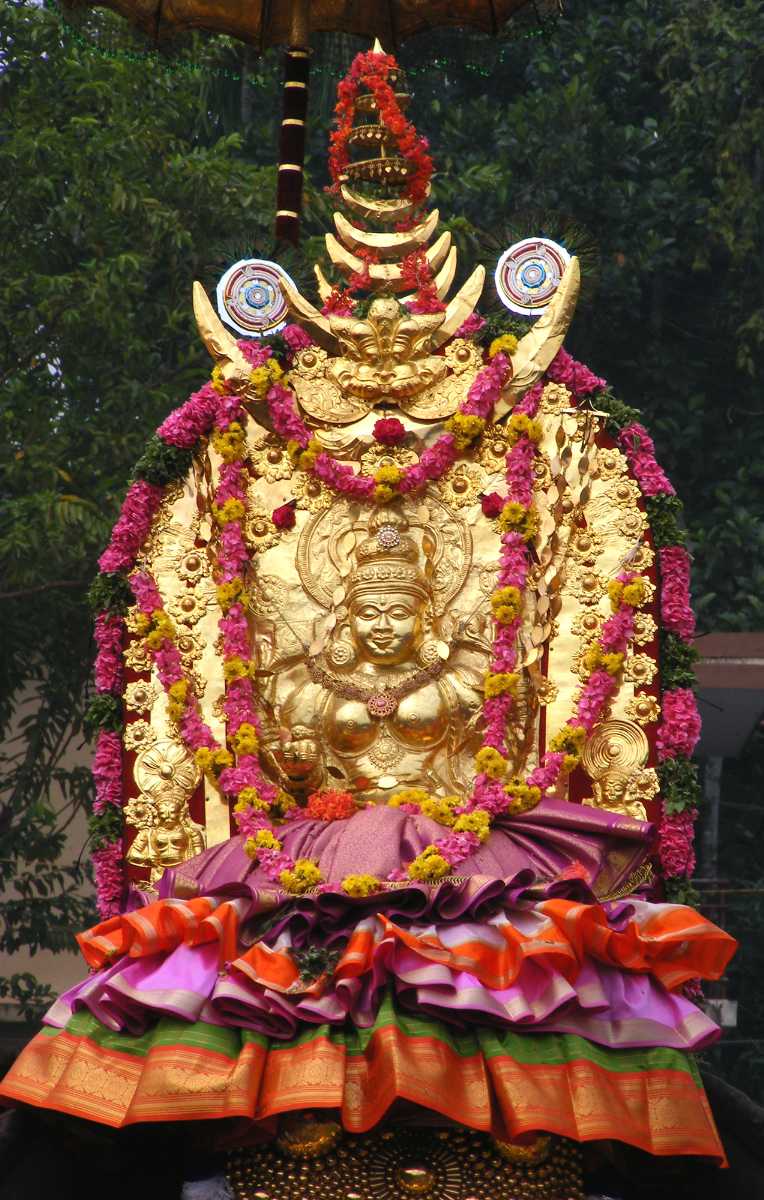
(42, 587)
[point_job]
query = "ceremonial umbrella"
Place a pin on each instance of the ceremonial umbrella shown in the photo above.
(264, 23)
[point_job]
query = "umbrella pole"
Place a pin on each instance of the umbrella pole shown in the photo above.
(294, 113)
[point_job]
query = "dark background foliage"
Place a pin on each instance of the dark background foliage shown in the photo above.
(633, 130)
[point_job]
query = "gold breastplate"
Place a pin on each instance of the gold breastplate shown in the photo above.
(420, 724)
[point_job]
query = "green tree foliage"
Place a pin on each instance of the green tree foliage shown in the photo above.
(636, 125)
(640, 125)
(116, 188)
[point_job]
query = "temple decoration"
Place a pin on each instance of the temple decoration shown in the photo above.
(396, 619)
(529, 273)
(250, 297)
(343, 710)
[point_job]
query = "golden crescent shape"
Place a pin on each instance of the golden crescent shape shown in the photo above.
(384, 211)
(387, 273)
(537, 349)
(324, 286)
(443, 279)
(221, 345)
(399, 244)
(309, 317)
(462, 305)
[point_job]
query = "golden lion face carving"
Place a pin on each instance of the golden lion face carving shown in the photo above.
(385, 354)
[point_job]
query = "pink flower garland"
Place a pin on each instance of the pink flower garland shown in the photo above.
(107, 669)
(107, 771)
(132, 527)
(679, 727)
(574, 375)
(108, 871)
(192, 420)
(434, 462)
(676, 611)
(471, 327)
(640, 453)
(182, 428)
(675, 844)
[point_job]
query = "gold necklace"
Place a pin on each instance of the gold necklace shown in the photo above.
(380, 702)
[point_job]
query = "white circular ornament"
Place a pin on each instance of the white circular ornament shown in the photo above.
(529, 273)
(251, 298)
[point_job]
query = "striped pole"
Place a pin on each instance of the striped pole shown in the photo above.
(292, 140)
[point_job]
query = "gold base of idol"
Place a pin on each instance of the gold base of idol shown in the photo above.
(315, 1160)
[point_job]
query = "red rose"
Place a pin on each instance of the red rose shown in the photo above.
(284, 517)
(492, 504)
(389, 431)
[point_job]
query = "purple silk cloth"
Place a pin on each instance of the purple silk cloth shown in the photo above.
(554, 836)
(557, 849)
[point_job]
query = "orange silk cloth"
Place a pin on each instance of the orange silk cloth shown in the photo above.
(671, 942)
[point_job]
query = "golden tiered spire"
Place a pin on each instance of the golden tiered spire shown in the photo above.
(378, 254)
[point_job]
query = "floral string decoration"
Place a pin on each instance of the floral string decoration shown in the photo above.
(679, 728)
(372, 71)
(463, 430)
(416, 274)
(234, 767)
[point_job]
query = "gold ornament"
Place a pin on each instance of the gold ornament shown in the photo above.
(310, 493)
(138, 735)
(624, 493)
(140, 696)
(640, 669)
(462, 355)
(643, 709)
(613, 755)
(189, 606)
(192, 565)
(640, 559)
(166, 763)
(259, 531)
(309, 363)
(542, 472)
(493, 449)
(306, 1136)
(386, 355)
(137, 656)
(645, 628)
(643, 786)
(555, 398)
(189, 647)
(271, 461)
(631, 523)
(587, 625)
(609, 463)
(461, 486)
(587, 586)
(376, 456)
(586, 545)
(166, 834)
